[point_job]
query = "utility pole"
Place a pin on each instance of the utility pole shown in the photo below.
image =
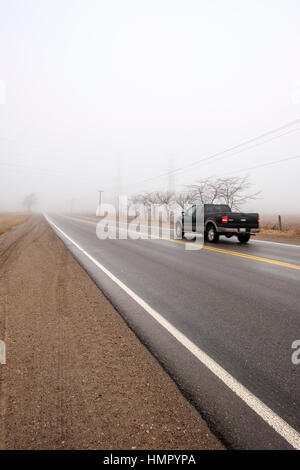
(100, 194)
(118, 184)
(100, 191)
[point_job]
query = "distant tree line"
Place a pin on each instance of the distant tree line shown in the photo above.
(233, 191)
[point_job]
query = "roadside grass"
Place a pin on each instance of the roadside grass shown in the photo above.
(9, 221)
(288, 231)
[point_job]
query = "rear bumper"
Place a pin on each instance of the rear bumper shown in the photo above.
(236, 230)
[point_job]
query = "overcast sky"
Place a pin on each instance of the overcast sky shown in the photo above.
(96, 94)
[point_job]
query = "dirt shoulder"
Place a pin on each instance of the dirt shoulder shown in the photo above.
(76, 376)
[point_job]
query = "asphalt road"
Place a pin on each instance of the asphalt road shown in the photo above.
(236, 304)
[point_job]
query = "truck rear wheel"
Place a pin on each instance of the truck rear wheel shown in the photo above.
(211, 234)
(243, 237)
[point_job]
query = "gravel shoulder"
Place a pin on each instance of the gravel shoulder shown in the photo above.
(76, 376)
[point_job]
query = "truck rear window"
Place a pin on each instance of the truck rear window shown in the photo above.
(217, 208)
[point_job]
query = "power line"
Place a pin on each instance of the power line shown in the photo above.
(274, 162)
(243, 170)
(217, 154)
(257, 145)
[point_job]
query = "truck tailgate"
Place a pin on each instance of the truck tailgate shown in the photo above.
(249, 220)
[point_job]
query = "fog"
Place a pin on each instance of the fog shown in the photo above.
(107, 94)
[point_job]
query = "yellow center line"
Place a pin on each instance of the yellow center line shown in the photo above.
(204, 247)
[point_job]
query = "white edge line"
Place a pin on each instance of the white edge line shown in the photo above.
(262, 410)
(276, 243)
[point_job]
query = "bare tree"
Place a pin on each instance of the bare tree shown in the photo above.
(184, 198)
(234, 191)
(29, 201)
(214, 190)
(146, 200)
(151, 198)
(136, 199)
(165, 199)
(206, 190)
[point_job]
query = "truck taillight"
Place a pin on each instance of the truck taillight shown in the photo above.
(224, 219)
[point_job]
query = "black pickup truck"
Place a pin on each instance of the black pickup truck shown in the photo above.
(218, 220)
